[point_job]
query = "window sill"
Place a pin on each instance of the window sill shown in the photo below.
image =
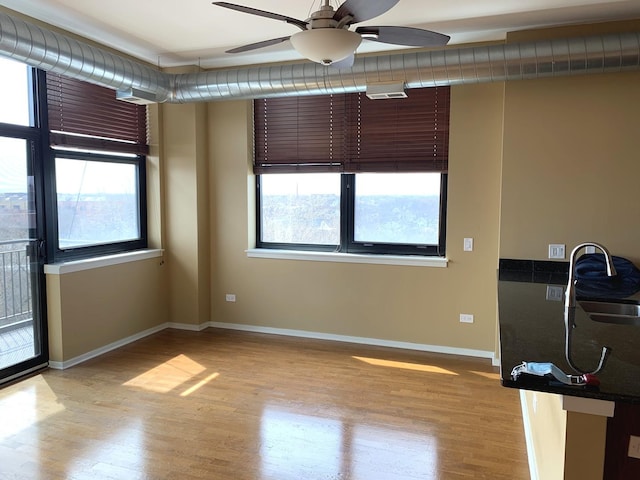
(99, 262)
(407, 260)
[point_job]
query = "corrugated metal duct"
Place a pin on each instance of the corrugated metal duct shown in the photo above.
(52, 51)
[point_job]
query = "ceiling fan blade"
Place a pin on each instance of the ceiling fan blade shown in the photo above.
(262, 13)
(344, 63)
(412, 37)
(362, 10)
(254, 46)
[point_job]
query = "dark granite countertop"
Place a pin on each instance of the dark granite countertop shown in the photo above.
(532, 329)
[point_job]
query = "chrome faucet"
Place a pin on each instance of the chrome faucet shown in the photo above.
(570, 306)
(570, 294)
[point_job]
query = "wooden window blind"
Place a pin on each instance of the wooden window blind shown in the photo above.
(399, 135)
(83, 115)
(295, 134)
(351, 133)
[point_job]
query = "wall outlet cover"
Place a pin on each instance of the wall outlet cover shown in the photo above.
(557, 250)
(466, 318)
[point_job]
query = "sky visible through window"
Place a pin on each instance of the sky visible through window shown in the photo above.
(397, 184)
(14, 98)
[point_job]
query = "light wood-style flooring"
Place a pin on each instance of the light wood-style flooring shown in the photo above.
(231, 405)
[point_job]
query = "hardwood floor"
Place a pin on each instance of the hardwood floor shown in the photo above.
(231, 405)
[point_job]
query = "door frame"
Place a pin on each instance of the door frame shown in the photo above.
(36, 138)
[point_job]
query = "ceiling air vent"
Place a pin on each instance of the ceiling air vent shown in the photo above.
(380, 91)
(134, 95)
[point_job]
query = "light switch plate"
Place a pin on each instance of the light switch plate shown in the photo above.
(468, 244)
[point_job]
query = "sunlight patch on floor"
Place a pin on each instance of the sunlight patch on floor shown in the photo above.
(199, 385)
(405, 365)
(489, 375)
(25, 406)
(167, 376)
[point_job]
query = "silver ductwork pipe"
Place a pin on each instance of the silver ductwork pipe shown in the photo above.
(451, 66)
(62, 54)
(55, 52)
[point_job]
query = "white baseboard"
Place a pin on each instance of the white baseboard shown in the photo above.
(360, 340)
(125, 341)
(274, 331)
(188, 326)
(107, 348)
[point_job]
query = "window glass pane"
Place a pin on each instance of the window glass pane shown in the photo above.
(14, 93)
(97, 202)
(301, 208)
(398, 208)
(15, 186)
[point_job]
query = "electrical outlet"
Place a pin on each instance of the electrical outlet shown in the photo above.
(589, 249)
(634, 446)
(468, 244)
(230, 297)
(466, 318)
(556, 250)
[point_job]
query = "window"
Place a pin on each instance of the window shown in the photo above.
(397, 212)
(97, 173)
(92, 211)
(15, 93)
(301, 209)
(345, 173)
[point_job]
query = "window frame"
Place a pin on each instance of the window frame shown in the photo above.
(311, 247)
(104, 150)
(347, 227)
(381, 248)
(108, 248)
(350, 134)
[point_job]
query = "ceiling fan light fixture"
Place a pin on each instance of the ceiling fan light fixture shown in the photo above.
(326, 45)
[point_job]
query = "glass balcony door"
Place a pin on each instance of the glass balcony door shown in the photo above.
(23, 344)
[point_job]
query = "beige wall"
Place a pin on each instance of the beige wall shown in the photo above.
(570, 160)
(93, 308)
(570, 165)
(543, 412)
(585, 446)
(90, 309)
(531, 163)
(187, 228)
(398, 303)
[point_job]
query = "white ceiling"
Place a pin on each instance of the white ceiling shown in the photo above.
(192, 32)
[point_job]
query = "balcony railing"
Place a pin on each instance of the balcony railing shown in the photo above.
(15, 284)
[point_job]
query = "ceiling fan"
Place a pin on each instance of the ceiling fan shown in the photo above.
(325, 37)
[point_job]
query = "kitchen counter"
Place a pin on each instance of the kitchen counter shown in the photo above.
(532, 329)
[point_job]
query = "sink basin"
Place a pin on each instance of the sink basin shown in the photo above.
(612, 312)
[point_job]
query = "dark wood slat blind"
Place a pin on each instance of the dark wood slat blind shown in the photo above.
(350, 133)
(405, 135)
(293, 134)
(81, 108)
